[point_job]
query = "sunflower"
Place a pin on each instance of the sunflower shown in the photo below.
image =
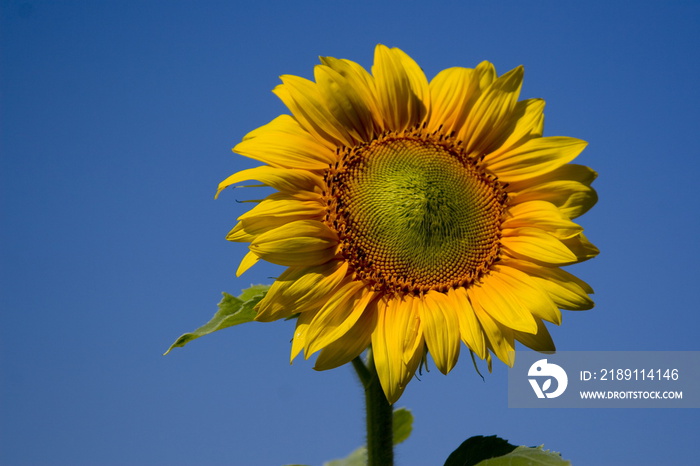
(414, 216)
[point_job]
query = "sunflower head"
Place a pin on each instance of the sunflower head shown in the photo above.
(415, 216)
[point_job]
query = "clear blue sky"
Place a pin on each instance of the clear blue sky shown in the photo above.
(117, 120)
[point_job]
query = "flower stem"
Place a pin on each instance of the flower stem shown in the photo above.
(380, 436)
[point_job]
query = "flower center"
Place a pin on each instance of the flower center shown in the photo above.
(414, 213)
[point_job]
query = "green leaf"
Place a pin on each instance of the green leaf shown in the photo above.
(356, 458)
(403, 424)
(478, 448)
(402, 421)
(527, 456)
(254, 291)
(232, 311)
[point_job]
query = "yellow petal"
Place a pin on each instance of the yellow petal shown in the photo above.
(485, 75)
(414, 341)
(451, 91)
(281, 179)
(570, 171)
(249, 260)
(399, 104)
(581, 247)
(441, 329)
(533, 158)
(527, 121)
(491, 112)
(454, 92)
(351, 344)
(283, 143)
(285, 205)
(395, 344)
(543, 215)
(299, 243)
(527, 289)
(498, 297)
(246, 230)
(539, 341)
(362, 84)
(571, 197)
(338, 315)
(345, 102)
(418, 81)
(566, 290)
(304, 100)
(536, 245)
(501, 343)
(239, 234)
(301, 289)
(299, 339)
(469, 327)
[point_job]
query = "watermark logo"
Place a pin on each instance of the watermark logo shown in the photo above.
(605, 379)
(547, 371)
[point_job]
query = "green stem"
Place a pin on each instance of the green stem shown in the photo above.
(380, 436)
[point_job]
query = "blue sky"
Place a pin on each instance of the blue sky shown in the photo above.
(116, 123)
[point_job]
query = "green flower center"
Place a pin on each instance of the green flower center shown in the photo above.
(415, 213)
